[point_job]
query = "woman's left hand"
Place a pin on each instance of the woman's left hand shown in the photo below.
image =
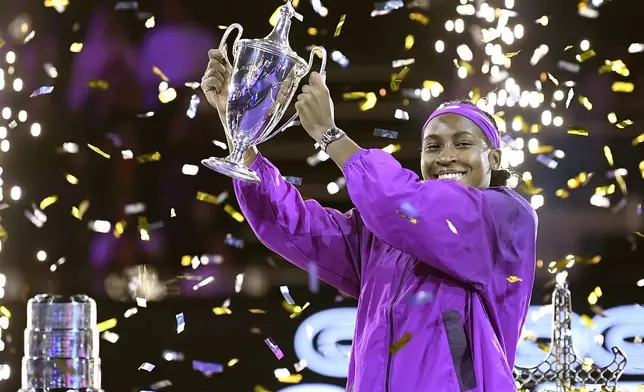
(315, 107)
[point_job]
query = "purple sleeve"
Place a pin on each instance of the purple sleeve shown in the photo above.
(458, 230)
(301, 231)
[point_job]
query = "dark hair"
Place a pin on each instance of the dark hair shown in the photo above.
(499, 177)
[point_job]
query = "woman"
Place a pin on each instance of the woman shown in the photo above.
(460, 238)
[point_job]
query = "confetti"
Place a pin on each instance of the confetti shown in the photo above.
(192, 108)
(274, 348)
(207, 368)
(514, 279)
(623, 87)
(385, 133)
(78, 212)
(158, 72)
(314, 282)
(146, 366)
(42, 91)
(46, 202)
(98, 151)
(293, 180)
(400, 343)
(287, 295)
(100, 84)
(577, 131)
(338, 28)
(181, 324)
(396, 79)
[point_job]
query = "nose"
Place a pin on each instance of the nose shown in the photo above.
(446, 157)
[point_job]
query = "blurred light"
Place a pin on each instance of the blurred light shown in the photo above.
(557, 121)
(464, 52)
(35, 129)
(537, 201)
(546, 117)
(17, 84)
(10, 57)
(439, 46)
(16, 193)
(584, 45)
(150, 22)
(41, 255)
(459, 26)
(6, 113)
(425, 94)
(507, 36)
(449, 25)
(22, 116)
(518, 31)
(3, 132)
(533, 145)
(558, 95)
(462, 72)
(5, 145)
(332, 188)
(509, 4)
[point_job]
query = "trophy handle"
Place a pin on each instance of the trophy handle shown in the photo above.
(308, 69)
(224, 38)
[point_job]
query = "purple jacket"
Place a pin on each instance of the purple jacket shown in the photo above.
(467, 249)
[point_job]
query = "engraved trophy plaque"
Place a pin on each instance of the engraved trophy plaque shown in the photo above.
(266, 74)
(61, 345)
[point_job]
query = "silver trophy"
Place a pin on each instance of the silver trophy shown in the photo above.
(61, 345)
(261, 68)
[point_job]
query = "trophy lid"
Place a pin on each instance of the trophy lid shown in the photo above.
(277, 40)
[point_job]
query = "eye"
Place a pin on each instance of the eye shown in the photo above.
(463, 144)
(431, 146)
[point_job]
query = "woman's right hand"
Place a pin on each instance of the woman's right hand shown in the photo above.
(215, 80)
(214, 84)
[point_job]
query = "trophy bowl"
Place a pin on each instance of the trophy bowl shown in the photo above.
(266, 74)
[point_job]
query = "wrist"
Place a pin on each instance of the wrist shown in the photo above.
(317, 132)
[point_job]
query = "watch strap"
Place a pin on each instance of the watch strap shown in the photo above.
(329, 136)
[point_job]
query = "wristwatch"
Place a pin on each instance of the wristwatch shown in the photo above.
(329, 136)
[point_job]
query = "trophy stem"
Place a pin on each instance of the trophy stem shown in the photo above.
(232, 165)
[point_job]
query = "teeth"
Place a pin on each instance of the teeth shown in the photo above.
(451, 176)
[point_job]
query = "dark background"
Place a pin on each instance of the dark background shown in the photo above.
(119, 49)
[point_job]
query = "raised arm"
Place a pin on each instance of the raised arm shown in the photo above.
(301, 231)
(462, 231)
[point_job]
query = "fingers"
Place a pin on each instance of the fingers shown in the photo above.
(317, 80)
(211, 84)
(307, 88)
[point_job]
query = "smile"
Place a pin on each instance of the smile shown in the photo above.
(451, 176)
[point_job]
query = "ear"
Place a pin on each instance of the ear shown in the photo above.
(494, 156)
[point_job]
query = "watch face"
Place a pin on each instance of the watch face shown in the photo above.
(333, 131)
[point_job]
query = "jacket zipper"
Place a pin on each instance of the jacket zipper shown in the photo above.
(391, 330)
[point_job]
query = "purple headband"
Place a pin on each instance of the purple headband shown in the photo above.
(473, 113)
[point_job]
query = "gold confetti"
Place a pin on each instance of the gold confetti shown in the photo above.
(160, 73)
(400, 343)
(56, 3)
(553, 79)
(409, 42)
(418, 17)
(568, 47)
(369, 102)
(623, 87)
(219, 311)
(2, 42)
(236, 215)
(514, 279)
(257, 311)
(577, 131)
(208, 198)
(397, 78)
(434, 86)
(586, 102)
(338, 28)
(98, 151)
(616, 66)
(168, 95)
(638, 140)
(143, 229)
(259, 388)
(71, 179)
(47, 201)
(5, 312)
(103, 85)
(609, 155)
(149, 157)
(78, 212)
(172, 213)
(354, 95)
(232, 362)
(624, 124)
(76, 47)
(312, 31)
(119, 228)
(587, 321)
(291, 379)
(511, 54)
(107, 324)
(412, 220)
(585, 55)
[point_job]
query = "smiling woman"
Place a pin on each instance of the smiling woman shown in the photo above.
(462, 143)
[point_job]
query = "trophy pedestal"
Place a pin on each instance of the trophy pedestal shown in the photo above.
(231, 169)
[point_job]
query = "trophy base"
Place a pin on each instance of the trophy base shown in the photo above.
(231, 169)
